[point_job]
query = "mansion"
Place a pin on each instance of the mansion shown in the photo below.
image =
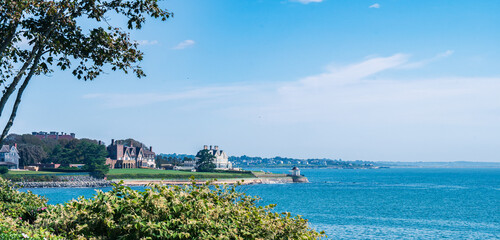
(121, 156)
(221, 160)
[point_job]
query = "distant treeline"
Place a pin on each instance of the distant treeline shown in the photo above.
(246, 161)
(33, 150)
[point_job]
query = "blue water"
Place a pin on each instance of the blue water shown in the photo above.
(380, 203)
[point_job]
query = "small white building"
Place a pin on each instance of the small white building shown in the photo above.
(295, 172)
(9, 157)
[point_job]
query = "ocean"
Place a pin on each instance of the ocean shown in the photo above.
(394, 203)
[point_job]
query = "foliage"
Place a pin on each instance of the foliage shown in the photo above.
(174, 160)
(172, 212)
(131, 142)
(205, 162)
(18, 211)
(33, 150)
(15, 204)
(157, 212)
(55, 38)
(3, 170)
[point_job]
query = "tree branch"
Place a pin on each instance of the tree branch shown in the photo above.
(33, 69)
(10, 89)
(8, 39)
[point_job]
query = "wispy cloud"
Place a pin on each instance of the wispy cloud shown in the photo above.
(147, 42)
(351, 73)
(307, 1)
(116, 100)
(358, 93)
(424, 62)
(184, 44)
(376, 5)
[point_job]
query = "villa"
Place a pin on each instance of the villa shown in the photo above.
(9, 157)
(121, 156)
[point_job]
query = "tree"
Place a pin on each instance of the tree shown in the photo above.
(57, 40)
(205, 162)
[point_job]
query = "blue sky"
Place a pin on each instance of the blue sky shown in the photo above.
(371, 80)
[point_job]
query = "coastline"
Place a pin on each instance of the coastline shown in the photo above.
(144, 182)
(244, 181)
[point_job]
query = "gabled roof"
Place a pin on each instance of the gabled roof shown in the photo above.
(5, 148)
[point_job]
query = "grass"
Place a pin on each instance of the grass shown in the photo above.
(172, 174)
(35, 173)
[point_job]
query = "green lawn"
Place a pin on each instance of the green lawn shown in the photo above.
(35, 173)
(171, 174)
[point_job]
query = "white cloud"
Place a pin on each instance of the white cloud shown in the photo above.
(307, 1)
(376, 5)
(184, 44)
(116, 100)
(351, 73)
(147, 42)
(424, 62)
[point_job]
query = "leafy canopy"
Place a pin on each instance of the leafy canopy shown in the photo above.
(39, 36)
(205, 162)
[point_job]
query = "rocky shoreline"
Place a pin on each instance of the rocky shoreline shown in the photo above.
(68, 182)
(92, 184)
(98, 183)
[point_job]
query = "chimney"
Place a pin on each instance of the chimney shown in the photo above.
(112, 142)
(205, 147)
(216, 147)
(100, 143)
(210, 147)
(151, 148)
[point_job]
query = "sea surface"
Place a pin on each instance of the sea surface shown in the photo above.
(395, 203)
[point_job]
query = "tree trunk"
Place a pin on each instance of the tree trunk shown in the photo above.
(12, 87)
(20, 94)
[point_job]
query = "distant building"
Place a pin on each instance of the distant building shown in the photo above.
(48, 165)
(121, 156)
(53, 135)
(9, 157)
(221, 160)
(295, 172)
(189, 165)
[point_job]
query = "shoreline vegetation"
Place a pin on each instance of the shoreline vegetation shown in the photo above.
(157, 212)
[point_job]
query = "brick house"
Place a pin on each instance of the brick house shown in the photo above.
(122, 156)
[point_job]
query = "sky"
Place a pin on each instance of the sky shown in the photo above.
(383, 80)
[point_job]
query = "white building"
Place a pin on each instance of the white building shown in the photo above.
(221, 160)
(295, 172)
(9, 157)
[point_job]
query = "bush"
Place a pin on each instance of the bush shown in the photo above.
(23, 205)
(172, 212)
(3, 170)
(158, 212)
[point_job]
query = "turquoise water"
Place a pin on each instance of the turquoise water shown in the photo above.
(380, 203)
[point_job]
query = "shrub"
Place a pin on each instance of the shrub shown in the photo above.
(23, 205)
(3, 170)
(172, 212)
